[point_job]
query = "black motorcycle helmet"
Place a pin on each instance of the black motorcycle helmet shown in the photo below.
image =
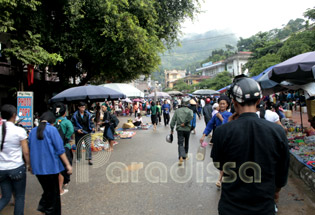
(244, 90)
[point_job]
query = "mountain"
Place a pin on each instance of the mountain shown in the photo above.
(196, 48)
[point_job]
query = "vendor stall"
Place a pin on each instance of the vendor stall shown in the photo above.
(302, 144)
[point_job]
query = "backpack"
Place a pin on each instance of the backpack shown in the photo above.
(115, 121)
(62, 135)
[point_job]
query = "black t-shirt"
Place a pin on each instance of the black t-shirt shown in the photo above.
(250, 139)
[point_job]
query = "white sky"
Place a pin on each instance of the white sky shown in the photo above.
(246, 17)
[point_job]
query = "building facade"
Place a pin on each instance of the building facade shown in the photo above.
(172, 75)
(232, 64)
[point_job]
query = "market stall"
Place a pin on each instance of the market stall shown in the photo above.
(297, 73)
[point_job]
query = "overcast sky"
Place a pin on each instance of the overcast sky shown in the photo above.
(246, 17)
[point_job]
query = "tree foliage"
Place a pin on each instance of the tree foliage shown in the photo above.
(25, 47)
(219, 81)
(108, 40)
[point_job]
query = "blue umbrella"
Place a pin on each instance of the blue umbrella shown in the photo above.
(269, 86)
(88, 92)
(297, 70)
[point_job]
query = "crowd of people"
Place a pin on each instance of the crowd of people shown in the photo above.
(248, 132)
(244, 123)
(46, 152)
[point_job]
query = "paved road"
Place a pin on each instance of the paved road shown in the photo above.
(114, 186)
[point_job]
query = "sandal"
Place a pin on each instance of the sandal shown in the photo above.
(64, 192)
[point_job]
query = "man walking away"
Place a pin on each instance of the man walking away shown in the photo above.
(207, 111)
(166, 112)
(252, 152)
(181, 119)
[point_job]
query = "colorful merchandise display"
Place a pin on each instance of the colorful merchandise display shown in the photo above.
(302, 144)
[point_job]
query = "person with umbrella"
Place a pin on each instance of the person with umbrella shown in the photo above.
(83, 125)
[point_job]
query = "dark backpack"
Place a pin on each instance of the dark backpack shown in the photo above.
(62, 135)
(115, 121)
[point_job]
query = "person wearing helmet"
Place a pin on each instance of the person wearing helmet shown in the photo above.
(252, 152)
(181, 119)
(66, 130)
(207, 111)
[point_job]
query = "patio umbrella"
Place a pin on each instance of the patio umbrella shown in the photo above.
(127, 100)
(270, 87)
(174, 93)
(127, 89)
(88, 92)
(297, 70)
(160, 95)
(206, 92)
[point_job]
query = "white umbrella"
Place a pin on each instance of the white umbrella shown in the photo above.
(127, 89)
(206, 92)
(127, 100)
(160, 95)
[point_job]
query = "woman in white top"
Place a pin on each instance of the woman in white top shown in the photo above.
(269, 115)
(13, 147)
(138, 120)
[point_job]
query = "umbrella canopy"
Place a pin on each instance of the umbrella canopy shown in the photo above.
(127, 89)
(136, 100)
(206, 92)
(297, 70)
(127, 100)
(269, 86)
(88, 92)
(174, 93)
(160, 95)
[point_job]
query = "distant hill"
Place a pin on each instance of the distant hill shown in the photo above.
(196, 48)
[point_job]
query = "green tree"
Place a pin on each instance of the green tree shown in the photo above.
(25, 45)
(263, 63)
(107, 40)
(310, 14)
(297, 44)
(221, 80)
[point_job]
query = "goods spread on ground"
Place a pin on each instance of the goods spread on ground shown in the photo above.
(302, 144)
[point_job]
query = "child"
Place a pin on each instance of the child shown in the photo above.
(127, 111)
(218, 119)
(138, 120)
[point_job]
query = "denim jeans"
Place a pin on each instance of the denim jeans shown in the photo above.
(183, 138)
(88, 150)
(13, 180)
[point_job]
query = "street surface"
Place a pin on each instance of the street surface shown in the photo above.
(154, 184)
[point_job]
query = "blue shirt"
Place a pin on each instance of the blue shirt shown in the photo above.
(216, 121)
(44, 154)
(166, 108)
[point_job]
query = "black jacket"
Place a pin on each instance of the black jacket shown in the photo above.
(257, 144)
